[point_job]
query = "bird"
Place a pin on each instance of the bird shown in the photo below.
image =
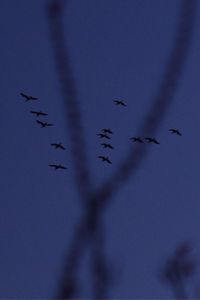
(104, 158)
(56, 167)
(120, 102)
(38, 113)
(58, 145)
(176, 131)
(107, 130)
(28, 97)
(107, 146)
(102, 135)
(136, 139)
(44, 124)
(152, 140)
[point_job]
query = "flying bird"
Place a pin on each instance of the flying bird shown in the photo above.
(38, 113)
(104, 158)
(137, 139)
(28, 97)
(107, 146)
(176, 131)
(44, 124)
(58, 145)
(120, 102)
(107, 130)
(102, 135)
(56, 167)
(152, 140)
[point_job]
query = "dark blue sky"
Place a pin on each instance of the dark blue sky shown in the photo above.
(118, 49)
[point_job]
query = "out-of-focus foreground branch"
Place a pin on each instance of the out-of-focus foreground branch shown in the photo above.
(95, 202)
(178, 269)
(69, 93)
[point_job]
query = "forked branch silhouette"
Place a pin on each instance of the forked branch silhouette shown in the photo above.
(89, 231)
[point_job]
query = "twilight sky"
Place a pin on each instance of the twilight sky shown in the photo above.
(118, 49)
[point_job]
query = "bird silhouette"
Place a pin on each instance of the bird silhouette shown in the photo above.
(107, 130)
(137, 139)
(176, 131)
(27, 97)
(152, 140)
(56, 167)
(38, 113)
(44, 124)
(104, 158)
(58, 145)
(107, 146)
(102, 135)
(120, 102)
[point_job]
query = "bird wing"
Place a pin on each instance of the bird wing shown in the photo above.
(155, 141)
(24, 95)
(40, 122)
(108, 160)
(62, 167)
(49, 124)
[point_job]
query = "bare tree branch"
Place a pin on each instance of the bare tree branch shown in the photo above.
(69, 93)
(90, 225)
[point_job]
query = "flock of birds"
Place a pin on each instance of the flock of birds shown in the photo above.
(42, 125)
(104, 134)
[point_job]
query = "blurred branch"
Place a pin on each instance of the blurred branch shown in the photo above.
(69, 93)
(160, 102)
(89, 228)
(178, 268)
